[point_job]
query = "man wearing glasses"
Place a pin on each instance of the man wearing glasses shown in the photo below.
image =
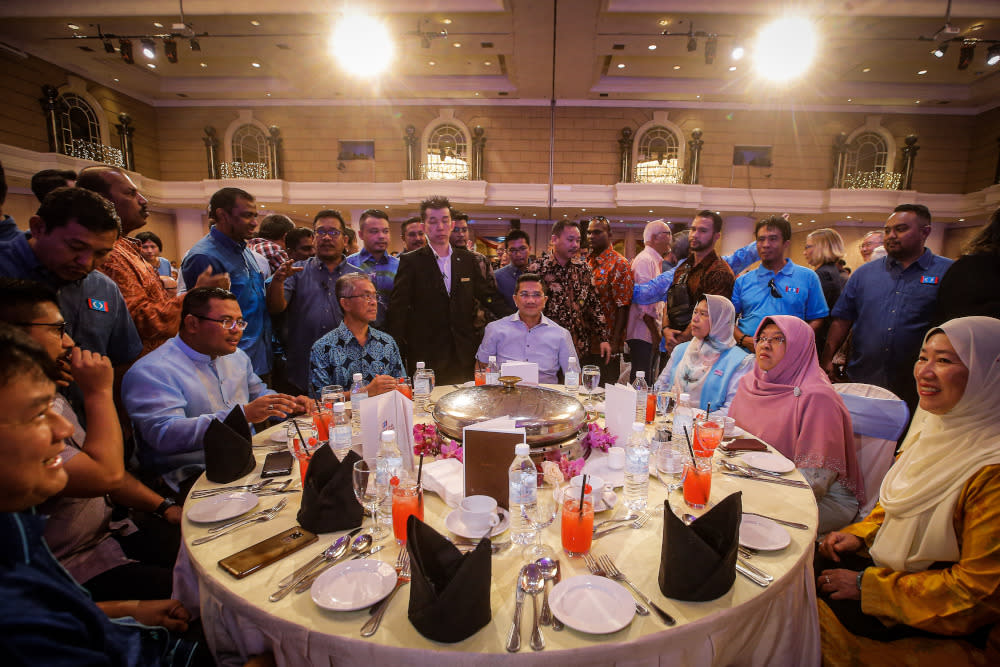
(777, 287)
(174, 392)
(304, 291)
(528, 335)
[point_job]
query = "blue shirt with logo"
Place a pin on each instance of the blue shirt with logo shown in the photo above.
(800, 293)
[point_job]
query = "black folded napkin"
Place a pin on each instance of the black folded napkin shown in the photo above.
(449, 591)
(328, 500)
(228, 448)
(698, 562)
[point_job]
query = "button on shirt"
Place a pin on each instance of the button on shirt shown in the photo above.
(799, 287)
(173, 393)
(546, 344)
(383, 274)
(338, 355)
(891, 308)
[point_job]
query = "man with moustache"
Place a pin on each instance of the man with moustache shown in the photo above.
(518, 247)
(300, 244)
(413, 234)
(375, 260)
(614, 283)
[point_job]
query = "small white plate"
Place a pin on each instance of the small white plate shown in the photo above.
(595, 605)
(757, 532)
(768, 461)
(222, 507)
(354, 584)
(597, 464)
(454, 523)
(280, 435)
(607, 501)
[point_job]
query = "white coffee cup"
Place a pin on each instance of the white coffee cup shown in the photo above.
(596, 483)
(728, 422)
(479, 513)
(616, 458)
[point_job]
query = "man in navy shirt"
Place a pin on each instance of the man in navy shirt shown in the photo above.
(518, 247)
(889, 303)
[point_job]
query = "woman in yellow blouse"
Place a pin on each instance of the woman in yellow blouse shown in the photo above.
(928, 591)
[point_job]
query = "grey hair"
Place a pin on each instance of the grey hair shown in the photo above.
(653, 228)
(345, 284)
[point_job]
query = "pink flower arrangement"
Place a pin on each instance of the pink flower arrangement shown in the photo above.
(428, 442)
(569, 467)
(596, 438)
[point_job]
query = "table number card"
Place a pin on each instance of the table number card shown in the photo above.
(388, 411)
(488, 452)
(526, 370)
(619, 411)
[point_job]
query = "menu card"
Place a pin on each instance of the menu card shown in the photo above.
(619, 411)
(526, 370)
(488, 452)
(389, 411)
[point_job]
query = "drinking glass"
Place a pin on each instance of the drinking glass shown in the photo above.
(405, 388)
(367, 492)
(707, 435)
(541, 517)
(590, 382)
(577, 522)
(664, 404)
(479, 375)
(698, 480)
(670, 464)
(307, 429)
(407, 499)
(330, 394)
(322, 419)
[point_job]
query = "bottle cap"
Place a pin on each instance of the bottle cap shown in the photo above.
(638, 427)
(572, 359)
(685, 397)
(420, 364)
(493, 358)
(339, 407)
(522, 449)
(357, 377)
(388, 436)
(640, 374)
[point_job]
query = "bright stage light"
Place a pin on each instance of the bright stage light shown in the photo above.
(785, 48)
(362, 45)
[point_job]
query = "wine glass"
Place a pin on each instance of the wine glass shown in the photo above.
(539, 518)
(664, 404)
(590, 382)
(670, 465)
(367, 492)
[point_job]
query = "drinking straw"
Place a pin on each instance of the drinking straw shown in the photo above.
(708, 410)
(583, 491)
(690, 448)
(420, 469)
(302, 438)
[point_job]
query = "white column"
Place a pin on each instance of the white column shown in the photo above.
(189, 228)
(737, 231)
(935, 242)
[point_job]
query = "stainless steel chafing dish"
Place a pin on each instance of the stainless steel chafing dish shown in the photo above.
(547, 415)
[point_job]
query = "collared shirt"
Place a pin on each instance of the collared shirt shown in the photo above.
(801, 295)
(272, 252)
(93, 306)
(444, 266)
(173, 394)
(546, 344)
(709, 276)
(313, 310)
(613, 280)
(338, 355)
(8, 229)
(382, 272)
(225, 255)
(645, 267)
(891, 308)
(656, 289)
(156, 314)
(506, 278)
(573, 301)
(163, 267)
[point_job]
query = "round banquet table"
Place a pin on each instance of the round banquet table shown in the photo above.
(748, 625)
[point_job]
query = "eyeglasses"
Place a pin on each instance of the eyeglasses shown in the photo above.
(531, 295)
(370, 297)
(774, 289)
(777, 340)
(227, 323)
(61, 326)
(332, 233)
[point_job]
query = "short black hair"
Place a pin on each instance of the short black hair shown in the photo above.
(919, 210)
(274, 227)
(330, 213)
(372, 213)
(410, 221)
(21, 355)
(515, 234)
(557, 229)
(775, 222)
(226, 200)
(196, 300)
(89, 209)
(92, 178)
(601, 220)
(716, 219)
(19, 299)
(294, 237)
(142, 237)
(458, 215)
(48, 180)
(531, 278)
(433, 202)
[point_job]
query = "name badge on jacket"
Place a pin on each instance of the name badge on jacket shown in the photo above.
(929, 280)
(96, 304)
(465, 280)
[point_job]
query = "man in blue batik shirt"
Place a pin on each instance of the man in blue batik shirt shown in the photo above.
(375, 260)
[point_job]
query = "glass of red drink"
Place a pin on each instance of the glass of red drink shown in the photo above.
(322, 419)
(577, 521)
(650, 407)
(407, 499)
(707, 435)
(403, 387)
(480, 376)
(698, 480)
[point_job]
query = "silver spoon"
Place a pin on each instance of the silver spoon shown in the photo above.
(359, 547)
(335, 551)
(533, 583)
(548, 568)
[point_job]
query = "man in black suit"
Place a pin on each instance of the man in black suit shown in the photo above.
(433, 301)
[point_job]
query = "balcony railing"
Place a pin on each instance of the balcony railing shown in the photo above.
(258, 170)
(657, 172)
(95, 152)
(873, 180)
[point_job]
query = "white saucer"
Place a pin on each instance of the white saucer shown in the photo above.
(454, 523)
(757, 532)
(768, 461)
(280, 435)
(595, 605)
(597, 464)
(607, 501)
(222, 507)
(354, 584)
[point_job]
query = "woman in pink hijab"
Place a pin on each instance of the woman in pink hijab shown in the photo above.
(788, 402)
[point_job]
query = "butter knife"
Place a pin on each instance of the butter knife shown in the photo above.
(763, 583)
(783, 482)
(514, 636)
(556, 623)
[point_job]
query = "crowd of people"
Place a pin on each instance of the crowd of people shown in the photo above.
(114, 363)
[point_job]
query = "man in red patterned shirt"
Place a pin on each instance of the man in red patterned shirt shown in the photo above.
(613, 280)
(270, 241)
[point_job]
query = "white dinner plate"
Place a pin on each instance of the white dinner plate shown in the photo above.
(221, 507)
(607, 500)
(354, 584)
(758, 532)
(454, 523)
(595, 605)
(768, 461)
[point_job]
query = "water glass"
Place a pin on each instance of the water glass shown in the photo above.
(367, 492)
(539, 518)
(664, 404)
(330, 394)
(590, 383)
(670, 464)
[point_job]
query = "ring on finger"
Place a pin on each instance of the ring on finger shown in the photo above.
(827, 579)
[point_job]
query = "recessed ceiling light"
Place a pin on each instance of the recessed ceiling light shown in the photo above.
(866, 70)
(204, 64)
(664, 21)
(517, 208)
(848, 217)
(677, 67)
(799, 224)
(584, 210)
(651, 47)
(457, 44)
(116, 80)
(487, 63)
(257, 65)
(268, 94)
(812, 221)
(961, 219)
(446, 21)
(255, 23)
(850, 99)
(534, 215)
(732, 68)
(72, 26)
(431, 63)
(923, 71)
(916, 101)
(151, 65)
(621, 65)
(157, 24)
(698, 97)
(650, 210)
(477, 94)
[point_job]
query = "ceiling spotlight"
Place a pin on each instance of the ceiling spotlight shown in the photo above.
(785, 48)
(72, 26)
(204, 64)
(993, 55)
(157, 24)
(125, 49)
(651, 47)
(148, 48)
(194, 44)
(711, 46)
(966, 53)
(151, 65)
(738, 52)
(170, 49)
(677, 67)
(351, 45)
(923, 71)
(732, 68)
(255, 23)
(255, 65)
(939, 50)
(692, 44)
(108, 46)
(621, 65)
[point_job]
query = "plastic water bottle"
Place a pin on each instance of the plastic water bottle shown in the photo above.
(637, 469)
(423, 385)
(572, 375)
(340, 430)
(359, 392)
(493, 371)
(641, 391)
(523, 493)
(683, 418)
(388, 463)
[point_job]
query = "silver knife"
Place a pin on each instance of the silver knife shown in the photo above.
(514, 636)
(783, 482)
(314, 562)
(763, 583)
(756, 570)
(556, 623)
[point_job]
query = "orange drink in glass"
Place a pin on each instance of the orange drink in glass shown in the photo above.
(577, 523)
(707, 436)
(407, 499)
(650, 407)
(480, 376)
(322, 419)
(698, 480)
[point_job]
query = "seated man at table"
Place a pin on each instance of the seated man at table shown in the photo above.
(173, 393)
(528, 335)
(354, 347)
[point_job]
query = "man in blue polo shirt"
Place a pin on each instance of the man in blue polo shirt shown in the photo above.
(375, 260)
(518, 247)
(777, 287)
(889, 303)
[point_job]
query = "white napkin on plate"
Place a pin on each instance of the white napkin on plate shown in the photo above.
(445, 478)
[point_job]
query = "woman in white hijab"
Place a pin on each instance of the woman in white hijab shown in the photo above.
(931, 588)
(709, 366)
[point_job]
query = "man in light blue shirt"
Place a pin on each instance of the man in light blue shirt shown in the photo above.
(174, 392)
(777, 287)
(528, 335)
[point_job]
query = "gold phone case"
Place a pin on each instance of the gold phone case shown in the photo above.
(262, 554)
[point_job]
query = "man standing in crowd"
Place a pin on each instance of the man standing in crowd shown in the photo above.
(271, 240)
(375, 260)
(703, 273)
(643, 330)
(434, 297)
(71, 236)
(518, 252)
(224, 248)
(413, 234)
(304, 291)
(460, 239)
(355, 347)
(777, 287)
(888, 303)
(613, 280)
(173, 393)
(869, 242)
(300, 244)
(47, 180)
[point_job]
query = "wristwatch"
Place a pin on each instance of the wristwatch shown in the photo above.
(162, 508)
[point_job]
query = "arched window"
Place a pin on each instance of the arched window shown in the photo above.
(250, 144)
(658, 152)
(80, 131)
(867, 153)
(869, 159)
(446, 155)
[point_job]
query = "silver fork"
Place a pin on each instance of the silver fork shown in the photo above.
(616, 574)
(598, 571)
(638, 523)
(232, 524)
(266, 515)
(205, 493)
(401, 559)
(369, 628)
